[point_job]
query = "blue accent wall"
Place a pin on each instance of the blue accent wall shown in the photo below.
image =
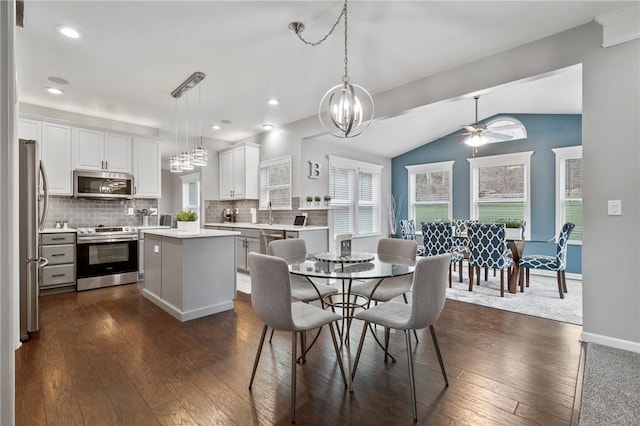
(544, 132)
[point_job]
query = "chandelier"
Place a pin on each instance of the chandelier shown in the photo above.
(346, 109)
(187, 160)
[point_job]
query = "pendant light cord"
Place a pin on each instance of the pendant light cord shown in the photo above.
(200, 114)
(176, 126)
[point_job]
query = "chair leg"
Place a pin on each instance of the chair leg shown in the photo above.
(471, 268)
(478, 275)
(527, 271)
(560, 289)
(386, 343)
(435, 344)
(521, 279)
(271, 337)
(412, 380)
(355, 362)
(450, 274)
(404, 295)
(486, 274)
(294, 345)
(501, 282)
(303, 347)
(564, 282)
(255, 362)
(460, 268)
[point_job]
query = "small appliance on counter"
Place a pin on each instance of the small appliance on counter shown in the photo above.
(229, 215)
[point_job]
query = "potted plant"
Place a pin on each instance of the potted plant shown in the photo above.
(513, 228)
(317, 200)
(309, 200)
(327, 200)
(187, 221)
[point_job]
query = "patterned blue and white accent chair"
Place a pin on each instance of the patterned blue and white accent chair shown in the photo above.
(438, 239)
(408, 232)
(556, 263)
(488, 249)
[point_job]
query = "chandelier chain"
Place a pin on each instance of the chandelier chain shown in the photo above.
(316, 43)
(345, 78)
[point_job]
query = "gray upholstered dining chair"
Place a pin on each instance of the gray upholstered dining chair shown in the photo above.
(427, 302)
(295, 249)
(271, 299)
(383, 290)
(302, 289)
(387, 289)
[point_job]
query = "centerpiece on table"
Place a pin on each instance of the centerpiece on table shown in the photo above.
(187, 221)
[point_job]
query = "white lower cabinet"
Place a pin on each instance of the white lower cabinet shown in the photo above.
(59, 275)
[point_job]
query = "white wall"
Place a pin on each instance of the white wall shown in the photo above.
(9, 273)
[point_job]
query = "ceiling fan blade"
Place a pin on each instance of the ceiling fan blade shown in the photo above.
(506, 127)
(470, 128)
(499, 136)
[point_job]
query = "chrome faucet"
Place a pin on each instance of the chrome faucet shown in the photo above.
(270, 218)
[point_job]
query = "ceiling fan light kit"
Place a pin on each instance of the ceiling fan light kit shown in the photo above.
(345, 110)
(478, 134)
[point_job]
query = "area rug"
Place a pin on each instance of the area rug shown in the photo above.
(611, 387)
(540, 299)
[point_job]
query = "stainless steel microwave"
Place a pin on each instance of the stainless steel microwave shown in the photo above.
(104, 185)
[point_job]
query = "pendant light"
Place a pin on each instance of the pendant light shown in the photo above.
(175, 165)
(185, 161)
(345, 110)
(200, 156)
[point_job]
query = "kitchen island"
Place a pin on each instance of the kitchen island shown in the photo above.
(190, 274)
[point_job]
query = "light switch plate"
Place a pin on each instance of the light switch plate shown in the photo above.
(156, 249)
(614, 207)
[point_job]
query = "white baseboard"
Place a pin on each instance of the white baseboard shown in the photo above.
(569, 275)
(613, 342)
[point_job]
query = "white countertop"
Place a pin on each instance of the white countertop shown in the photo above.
(57, 230)
(201, 233)
(275, 226)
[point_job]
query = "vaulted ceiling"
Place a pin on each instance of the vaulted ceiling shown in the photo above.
(133, 54)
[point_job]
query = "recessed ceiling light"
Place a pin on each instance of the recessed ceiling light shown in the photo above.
(54, 90)
(216, 126)
(69, 32)
(268, 126)
(58, 80)
(273, 102)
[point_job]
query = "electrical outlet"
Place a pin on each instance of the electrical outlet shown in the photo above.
(130, 211)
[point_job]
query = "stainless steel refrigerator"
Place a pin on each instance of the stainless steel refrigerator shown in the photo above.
(33, 211)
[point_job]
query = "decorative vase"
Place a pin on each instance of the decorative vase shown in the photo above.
(188, 226)
(145, 220)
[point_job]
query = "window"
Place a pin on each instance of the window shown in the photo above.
(500, 188)
(569, 190)
(507, 126)
(275, 183)
(355, 196)
(430, 191)
(191, 192)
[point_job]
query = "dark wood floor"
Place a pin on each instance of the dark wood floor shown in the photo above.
(109, 356)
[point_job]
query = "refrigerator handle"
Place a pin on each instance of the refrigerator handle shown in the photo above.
(45, 188)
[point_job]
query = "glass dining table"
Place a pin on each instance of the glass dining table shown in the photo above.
(357, 266)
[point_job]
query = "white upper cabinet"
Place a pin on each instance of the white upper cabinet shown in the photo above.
(97, 150)
(146, 170)
(239, 172)
(30, 129)
(55, 153)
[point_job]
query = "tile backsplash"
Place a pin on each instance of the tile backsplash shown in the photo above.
(213, 212)
(86, 213)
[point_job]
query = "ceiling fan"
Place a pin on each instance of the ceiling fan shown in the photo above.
(478, 134)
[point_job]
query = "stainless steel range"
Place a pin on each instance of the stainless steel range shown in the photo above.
(106, 256)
